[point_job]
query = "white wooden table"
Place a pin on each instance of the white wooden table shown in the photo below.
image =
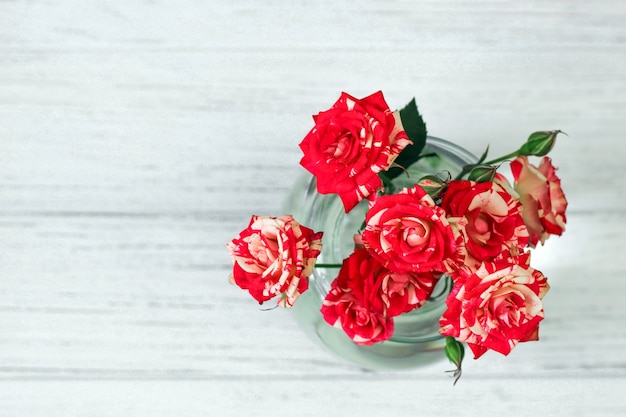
(137, 138)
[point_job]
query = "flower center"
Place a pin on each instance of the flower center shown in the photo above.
(341, 147)
(415, 233)
(481, 225)
(259, 250)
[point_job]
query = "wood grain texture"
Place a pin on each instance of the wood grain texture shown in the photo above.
(136, 139)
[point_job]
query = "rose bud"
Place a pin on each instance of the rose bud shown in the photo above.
(432, 184)
(483, 173)
(539, 143)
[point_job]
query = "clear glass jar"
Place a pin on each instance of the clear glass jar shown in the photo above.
(416, 339)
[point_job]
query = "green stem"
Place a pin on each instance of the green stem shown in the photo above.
(328, 265)
(468, 168)
(502, 158)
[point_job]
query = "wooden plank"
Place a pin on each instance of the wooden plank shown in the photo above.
(136, 139)
(309, 396)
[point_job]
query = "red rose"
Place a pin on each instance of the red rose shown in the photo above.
(349, 305)
(365, 296)
(274, 256)
(407, 232)
(488, 216)
(542, 198)
(350, 144)
(496, 306)
(402, 293)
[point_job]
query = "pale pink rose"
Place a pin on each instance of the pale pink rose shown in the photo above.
(273, 257)
(542, 198)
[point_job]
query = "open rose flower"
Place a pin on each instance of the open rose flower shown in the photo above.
(273, 257)
(496, 306)
(401, 293)
(350, 144)
(542, 198)
(490, 216)
(407, 232)
(349, 305)
(365, 297)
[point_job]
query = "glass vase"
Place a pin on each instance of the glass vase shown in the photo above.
(416, 340)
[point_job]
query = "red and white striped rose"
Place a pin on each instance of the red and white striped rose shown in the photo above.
(273, 257)
(365, 297)
(350, 144)
(496, 306)
(488, 217)
(407, 232)
(542, 198)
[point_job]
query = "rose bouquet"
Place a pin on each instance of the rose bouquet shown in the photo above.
(474, 229)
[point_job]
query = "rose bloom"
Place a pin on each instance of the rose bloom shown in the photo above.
(542, 198)
(365, 297)
(350, 144)
(401, 293)
(408, 232)
(273, 256)
(496, 306)
(488, 216)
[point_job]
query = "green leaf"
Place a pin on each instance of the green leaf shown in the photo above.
(415, 129)
(484, 155)
(455, 352)
(469, 167)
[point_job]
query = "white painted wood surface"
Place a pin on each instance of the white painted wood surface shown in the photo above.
(136, 139)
